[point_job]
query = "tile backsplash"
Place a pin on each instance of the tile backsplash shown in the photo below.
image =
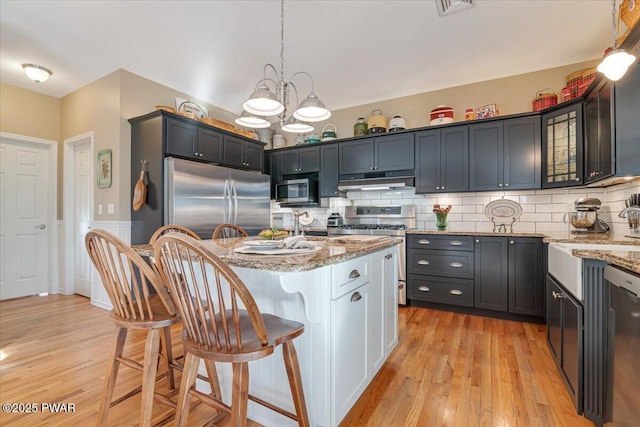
(543, 210)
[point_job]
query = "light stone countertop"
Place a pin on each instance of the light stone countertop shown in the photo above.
(629, 260)
(334, 250)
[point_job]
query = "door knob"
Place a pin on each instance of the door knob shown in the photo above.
(40, 227)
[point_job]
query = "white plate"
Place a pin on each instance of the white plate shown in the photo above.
(262, 244)
(503, 211)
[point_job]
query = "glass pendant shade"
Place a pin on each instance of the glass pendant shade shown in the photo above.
(263, 102)
(615, 64)
(36, 73)
(312, 110)
(250, 121)
(293, 125)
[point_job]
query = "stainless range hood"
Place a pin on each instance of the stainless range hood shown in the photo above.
(377, 183)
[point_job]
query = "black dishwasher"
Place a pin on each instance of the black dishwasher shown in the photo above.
(624, 345)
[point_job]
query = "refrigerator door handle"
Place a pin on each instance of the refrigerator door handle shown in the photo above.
(225, 201)
(235, 202)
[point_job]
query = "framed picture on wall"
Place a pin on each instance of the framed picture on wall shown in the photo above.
(104, 168)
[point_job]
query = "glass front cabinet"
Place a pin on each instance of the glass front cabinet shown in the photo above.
(562, 147)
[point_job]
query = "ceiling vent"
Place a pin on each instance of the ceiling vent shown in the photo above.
(447, 7)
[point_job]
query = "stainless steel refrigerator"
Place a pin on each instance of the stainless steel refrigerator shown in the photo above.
(201, 196)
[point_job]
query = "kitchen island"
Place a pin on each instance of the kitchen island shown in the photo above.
(346, 296)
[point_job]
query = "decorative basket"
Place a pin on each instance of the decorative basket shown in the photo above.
(544, 100)
(574, 80)
(565, 94)
(218, 123)
(588, 76)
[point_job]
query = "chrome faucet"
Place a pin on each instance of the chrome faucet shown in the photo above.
(297, 214)
(632, 213)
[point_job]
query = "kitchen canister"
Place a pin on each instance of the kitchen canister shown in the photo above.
(278, 141)
(397, 123)
(329, 132)
(300, 139)
(360, 128)
(311, 138)
(377, 123)
(469, 114)
(441, 115)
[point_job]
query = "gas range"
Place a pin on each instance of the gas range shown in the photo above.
(376, 220)
(373, 229)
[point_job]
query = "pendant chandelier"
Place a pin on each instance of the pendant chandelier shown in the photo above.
(265, 102)
(616, 62)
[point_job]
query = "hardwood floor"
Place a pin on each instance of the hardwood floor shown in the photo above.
(448, 370)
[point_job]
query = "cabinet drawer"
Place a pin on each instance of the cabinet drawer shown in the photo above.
(432, 241)
(441, 263)
(348, 275)
(439, 289)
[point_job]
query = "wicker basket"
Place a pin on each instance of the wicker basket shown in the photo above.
(565, 94)
(218, 123)
(544, 100)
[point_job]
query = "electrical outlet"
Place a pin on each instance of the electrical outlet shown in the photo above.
(99, 208)
(110, 209)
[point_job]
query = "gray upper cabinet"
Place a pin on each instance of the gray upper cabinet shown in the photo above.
(505, 154)
(442, 160)
(380, 154)
(328, 176)
(612, 128)
(300, 160)
(562, 144)
(181, 138)
(210, 145)
(243, 154)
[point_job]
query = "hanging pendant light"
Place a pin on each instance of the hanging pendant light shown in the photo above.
(616, 61)
(252, 121)
(267, 102)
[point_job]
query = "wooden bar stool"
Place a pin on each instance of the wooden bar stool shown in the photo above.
(140, 301)
(172, 228)
(228, 231)
(217, 329)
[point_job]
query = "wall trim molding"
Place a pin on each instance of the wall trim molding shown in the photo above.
(122, 230)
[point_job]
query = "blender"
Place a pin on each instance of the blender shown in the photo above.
(585, 218)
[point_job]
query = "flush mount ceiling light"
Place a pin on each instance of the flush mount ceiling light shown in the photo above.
(265, 102)
(37, 73)
(447, 7)
(616, 61)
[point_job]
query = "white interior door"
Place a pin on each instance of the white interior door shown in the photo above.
(24, 219)
(82, 205)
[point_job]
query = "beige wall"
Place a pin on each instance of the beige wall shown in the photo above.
(28, 113)
(511, 94)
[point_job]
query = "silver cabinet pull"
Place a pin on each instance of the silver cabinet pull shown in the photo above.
(477, 240)
(455, 243)
(354, 274)
(423, 262)
(499, 185)
(511, 242)
(456, 264)
(424, 242)
(506, 185)
(455, 292)
(356, 297)
(423, 288)
(40, 227)
(557, 295)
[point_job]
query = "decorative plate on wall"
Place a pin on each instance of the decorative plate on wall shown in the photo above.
(503, 211)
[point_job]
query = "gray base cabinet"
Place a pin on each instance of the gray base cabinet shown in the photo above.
(487, 273)
(564, 337)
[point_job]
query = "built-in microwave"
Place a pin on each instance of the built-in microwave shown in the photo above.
(297, 192)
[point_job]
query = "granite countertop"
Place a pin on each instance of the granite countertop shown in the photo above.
(472, 233)
(629, 260)
(334, 250)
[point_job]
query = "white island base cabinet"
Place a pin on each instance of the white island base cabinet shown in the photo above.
(350, 313)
